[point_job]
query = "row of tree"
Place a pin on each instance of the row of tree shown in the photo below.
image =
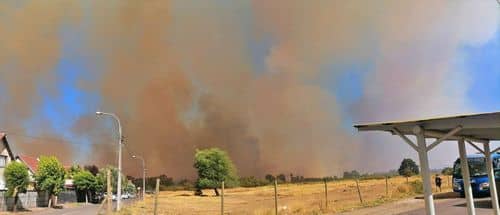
(50, 177)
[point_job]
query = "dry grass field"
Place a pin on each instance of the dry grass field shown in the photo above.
(292, 198)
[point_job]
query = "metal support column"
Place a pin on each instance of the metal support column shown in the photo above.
(466, 177)
(491, 178)
(426, 174)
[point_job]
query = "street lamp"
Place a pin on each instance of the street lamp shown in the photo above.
(119, 187)
(143, 175)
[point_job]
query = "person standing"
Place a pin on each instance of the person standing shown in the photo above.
(438, 182)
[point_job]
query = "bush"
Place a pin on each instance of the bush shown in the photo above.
(404, 189)
(185, 184)
(417, 187)
(252, 182)
(17, 178)
(413, 187)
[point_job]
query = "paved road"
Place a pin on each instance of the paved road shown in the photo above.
(446, 204)
(457, 206)
(83, 210)
(90, 209)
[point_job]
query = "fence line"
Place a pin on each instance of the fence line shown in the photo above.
(353, 194)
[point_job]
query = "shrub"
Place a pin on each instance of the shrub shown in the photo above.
(404, 189)
(417, 187)
(252, 182)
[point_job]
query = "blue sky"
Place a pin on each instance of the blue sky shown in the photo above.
(483, 65)
(67, 101)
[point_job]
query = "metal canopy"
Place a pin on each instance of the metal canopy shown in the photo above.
(474, 128)
(484, 126)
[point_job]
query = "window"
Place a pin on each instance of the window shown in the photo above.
(3, 161)
(477, 167)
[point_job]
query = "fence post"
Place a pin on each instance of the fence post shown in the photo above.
(157, 191)
(109, 192)
(222, 199)
(359, 191)
(326, 195)
(276, 196)
(386, 186)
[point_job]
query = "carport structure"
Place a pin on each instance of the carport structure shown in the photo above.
(474, 129)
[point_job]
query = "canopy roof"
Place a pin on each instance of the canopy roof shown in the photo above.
(483, 126)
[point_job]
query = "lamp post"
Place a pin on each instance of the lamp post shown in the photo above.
(119, 183)
(143, 175)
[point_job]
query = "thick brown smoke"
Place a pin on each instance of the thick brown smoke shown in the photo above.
(189, 86)
(181, 75)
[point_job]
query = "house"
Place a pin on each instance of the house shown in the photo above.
(32, 164)
(6, 156)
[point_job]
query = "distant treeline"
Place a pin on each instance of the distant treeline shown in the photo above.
(168, 183)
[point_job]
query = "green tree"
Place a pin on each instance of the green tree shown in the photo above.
(92, 169)
(214, 166)
(408, 168)
(270, 178)
(17, 180)
(281, 178)
(101, 179)
(129, 188)
(50, 177)
(351, 175)
(447, 171)
(72, 171)
(85, 182)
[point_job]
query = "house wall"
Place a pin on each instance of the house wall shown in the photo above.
(4, 152)
(33, 199)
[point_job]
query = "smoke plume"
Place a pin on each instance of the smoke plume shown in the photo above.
(186, 75)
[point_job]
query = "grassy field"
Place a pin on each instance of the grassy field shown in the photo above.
(292, 198)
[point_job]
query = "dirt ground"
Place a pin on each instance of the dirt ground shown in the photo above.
(292, 198)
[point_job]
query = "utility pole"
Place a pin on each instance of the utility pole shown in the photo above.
(222, 199)
(109, 196)
(276, 196)
(326, 194)
(157, 192)
(143, 175)
(120, 143)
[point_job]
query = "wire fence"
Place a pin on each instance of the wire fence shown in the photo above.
(286, 198)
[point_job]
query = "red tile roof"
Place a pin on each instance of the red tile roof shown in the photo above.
(31, 162)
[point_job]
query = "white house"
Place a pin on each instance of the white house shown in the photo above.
(6, 156)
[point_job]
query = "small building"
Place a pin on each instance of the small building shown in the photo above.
(6, 156)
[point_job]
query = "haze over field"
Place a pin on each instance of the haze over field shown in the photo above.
(278, 84)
